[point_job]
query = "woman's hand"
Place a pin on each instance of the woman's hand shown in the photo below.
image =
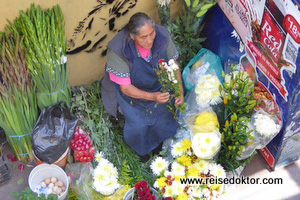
(180, 100)
(160, 97)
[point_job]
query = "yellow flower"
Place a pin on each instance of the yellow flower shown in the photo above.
(207, 121)
(192, 171)
(182, 196)
(186, 144)
(161, 182)
(185, 160)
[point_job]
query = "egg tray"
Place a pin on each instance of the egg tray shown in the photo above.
(4, 172)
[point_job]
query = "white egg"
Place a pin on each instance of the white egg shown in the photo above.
(56, 183)
(49, 191)
(58, 191)
(63, 188)
(53, 180)
(60, 183)
(43, 184)
(54, 188)
(47, 181)
(51, 185)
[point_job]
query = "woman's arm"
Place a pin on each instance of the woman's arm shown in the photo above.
(134, 92)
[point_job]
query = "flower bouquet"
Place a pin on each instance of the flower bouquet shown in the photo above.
(168, 77)
(205, 135)
(105, 176)
(141, 191)
(239, 105)
(208, 91)
(264, 128)
(187, 176)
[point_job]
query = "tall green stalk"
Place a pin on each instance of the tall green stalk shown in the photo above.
(45, 44)
(18, 109)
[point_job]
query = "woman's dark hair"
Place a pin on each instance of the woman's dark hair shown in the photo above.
(138, 20)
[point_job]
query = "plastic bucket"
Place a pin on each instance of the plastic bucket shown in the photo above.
(43, 171)
(62, 161)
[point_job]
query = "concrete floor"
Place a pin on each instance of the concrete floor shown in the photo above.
(257, 168)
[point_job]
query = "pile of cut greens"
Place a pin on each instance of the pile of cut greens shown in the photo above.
(106, 133)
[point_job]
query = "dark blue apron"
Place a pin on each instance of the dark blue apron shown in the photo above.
(147, 123)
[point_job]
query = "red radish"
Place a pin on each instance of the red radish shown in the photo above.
(21, 167)
(13, 159)
(9, 156)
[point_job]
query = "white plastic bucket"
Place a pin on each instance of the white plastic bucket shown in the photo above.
(43, 171)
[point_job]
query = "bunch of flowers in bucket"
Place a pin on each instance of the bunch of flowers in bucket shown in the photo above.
(239, 105)
(168, 77)
(143, 191)
(105, 176)
(175, 178)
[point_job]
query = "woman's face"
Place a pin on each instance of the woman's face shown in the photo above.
(146, 36)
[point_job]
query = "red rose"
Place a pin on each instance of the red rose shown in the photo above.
(161, 60)
(146, 190)
(168, 198)
(153, 197)
(140, 193)
(143, 183)
(148, 196)
(143, 198)
(137, 186)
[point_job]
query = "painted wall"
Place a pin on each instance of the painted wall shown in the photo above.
(90, 25)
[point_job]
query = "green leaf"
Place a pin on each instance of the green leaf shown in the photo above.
(88, 110)
(96, 111)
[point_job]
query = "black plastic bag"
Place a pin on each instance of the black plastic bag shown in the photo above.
(53, 131)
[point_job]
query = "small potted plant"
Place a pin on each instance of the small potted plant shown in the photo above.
(141, 191)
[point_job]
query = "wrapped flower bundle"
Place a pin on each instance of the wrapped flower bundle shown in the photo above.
(208, 91)
(206, 138)
(18, 109)
(45, 52)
